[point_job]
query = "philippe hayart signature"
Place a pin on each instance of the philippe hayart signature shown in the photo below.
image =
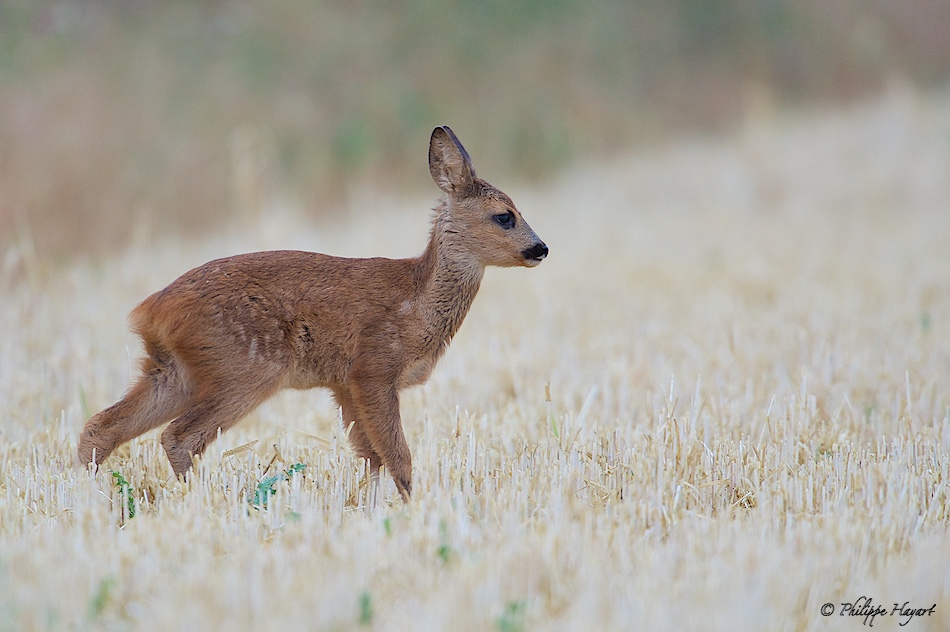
(865, 608)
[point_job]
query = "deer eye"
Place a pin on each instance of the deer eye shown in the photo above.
(505, 220)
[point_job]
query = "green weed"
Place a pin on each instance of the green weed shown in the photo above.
(512, 619)
(103, 596)
(366, 608)
(268, 487)
(125, 488)
(445, 550)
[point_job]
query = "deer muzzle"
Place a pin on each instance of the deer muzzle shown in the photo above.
(535, 253)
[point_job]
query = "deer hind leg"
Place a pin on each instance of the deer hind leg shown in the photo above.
(219, 406)
(159, 394)
(376, 405)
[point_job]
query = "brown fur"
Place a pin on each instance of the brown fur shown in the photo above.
(227, 335)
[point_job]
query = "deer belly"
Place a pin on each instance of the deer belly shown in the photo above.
(416, 372)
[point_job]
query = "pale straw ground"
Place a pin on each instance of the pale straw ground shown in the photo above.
(722, 402)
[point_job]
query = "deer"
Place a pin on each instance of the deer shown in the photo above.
(229, 334)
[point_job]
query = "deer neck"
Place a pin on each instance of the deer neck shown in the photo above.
(450, 278)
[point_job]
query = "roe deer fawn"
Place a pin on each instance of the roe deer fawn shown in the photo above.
(227, 335)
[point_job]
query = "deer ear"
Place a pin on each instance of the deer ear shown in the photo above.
(449, 164)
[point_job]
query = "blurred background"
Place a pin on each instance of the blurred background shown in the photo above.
(120, 117)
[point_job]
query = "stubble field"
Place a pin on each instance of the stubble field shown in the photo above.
(721, 403)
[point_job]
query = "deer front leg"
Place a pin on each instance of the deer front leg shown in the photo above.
(358, 438)
(376, 403)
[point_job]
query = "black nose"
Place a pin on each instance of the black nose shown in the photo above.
(538, 251)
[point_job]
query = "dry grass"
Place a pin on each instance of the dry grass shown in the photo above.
(722, 402)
